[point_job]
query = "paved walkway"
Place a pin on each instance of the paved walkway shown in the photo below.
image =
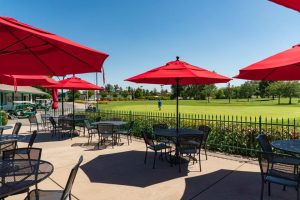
(119, 173)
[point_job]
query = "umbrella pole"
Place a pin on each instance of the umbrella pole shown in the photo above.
(73, 113)
(62, 103)
(177, 112)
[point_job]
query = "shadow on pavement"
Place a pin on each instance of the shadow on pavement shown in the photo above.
(128, 168)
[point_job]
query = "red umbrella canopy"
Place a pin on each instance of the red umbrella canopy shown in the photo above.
(26, 50)
(184, 73)
(26, 80)
(282, 66)
(74, 83)
(292, 4)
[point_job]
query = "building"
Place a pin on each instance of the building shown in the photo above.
(23, 93)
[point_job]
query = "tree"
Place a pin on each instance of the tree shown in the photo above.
(228, 92)
(109, 88)
(276, 89)
(220, 94)
(76, 94)
(291, 89)
(248, 89)
(209, 91)
(262, 88)
(138, 93)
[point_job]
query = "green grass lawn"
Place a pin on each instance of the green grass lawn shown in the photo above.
(256, 107)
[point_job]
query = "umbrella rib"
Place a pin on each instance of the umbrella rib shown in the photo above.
(36, 56)
(18, 50)
(66, 52)
(15, 43)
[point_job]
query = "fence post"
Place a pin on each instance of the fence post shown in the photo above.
(259, 124)
(130, 116)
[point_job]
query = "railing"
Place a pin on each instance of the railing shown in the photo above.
(230, 134)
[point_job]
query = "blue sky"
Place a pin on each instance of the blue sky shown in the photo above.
(219, 35)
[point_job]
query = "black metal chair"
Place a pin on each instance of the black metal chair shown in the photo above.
(32, 139)
(57, 194)
(206, 131)
(106, 131)
(7, 145)
(128, 132)
(55, 126)
(154, 147)
(264, 143)
(32, 155)
(17, 128)
(279, 169)
(190, 145)
(92, 130)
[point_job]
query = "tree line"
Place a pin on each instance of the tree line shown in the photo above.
(247, 90)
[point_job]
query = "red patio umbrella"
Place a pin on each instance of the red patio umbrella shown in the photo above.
(282, 66)
(27, 50)
(179, 73)
(292, 4)
(26, 80)
(55, 99)
(74, 83)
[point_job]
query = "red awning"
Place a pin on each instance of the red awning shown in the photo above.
(292, 4)
(74, 83)
(282, 66)
(26, 50)
(185, 73)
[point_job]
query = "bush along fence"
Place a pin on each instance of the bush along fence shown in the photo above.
(231, 134)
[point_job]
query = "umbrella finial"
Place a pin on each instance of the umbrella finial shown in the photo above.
(177, 58)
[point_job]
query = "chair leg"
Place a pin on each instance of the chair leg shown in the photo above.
(179, 158)
(205, 152)
(146, 155)
(199, 163)
(128, 139)
(269, 188)
(155, 154)
(262, 190)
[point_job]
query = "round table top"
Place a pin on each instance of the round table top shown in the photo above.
(171, 132)
(6, 127)
(19, 175)
(114, 123)
(292, 146)
(5, 137)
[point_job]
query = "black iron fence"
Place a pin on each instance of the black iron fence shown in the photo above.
(232, 134)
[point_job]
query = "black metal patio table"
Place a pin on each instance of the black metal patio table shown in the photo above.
(18, 175)
(290, 146)
(171, 134)
(113, 123)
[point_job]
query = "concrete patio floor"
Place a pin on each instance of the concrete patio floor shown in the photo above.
(119, 173)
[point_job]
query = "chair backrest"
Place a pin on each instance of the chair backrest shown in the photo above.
(87, 124)
(32, 138)
(23, 153)
(98, 119)
(17, 128)
(191, 140)
(105, 128)
(148, 141)
(264, 143)
(206, 131)
(160, 126)
(32, 119)
(7, 145)
(52, 121)
(70, 182)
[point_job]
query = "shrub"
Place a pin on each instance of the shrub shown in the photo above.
(4, 117)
